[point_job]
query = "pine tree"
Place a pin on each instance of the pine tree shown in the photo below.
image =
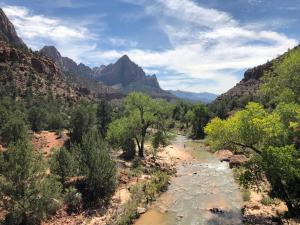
(27, 191)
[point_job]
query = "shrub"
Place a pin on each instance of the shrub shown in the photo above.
(28, 193)
(267, 200)
(128, 149)
(15, 129)
(62, 163)
(246, 194)
(100, 169)
(73, 199)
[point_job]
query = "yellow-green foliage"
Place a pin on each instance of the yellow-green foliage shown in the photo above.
(282, 83)
(272, 138)
(253, 127)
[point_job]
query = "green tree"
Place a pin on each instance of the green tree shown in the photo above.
(97, 166)
(62, 163)
(282, 83)
(37, 117)
(15, 128)
(266, 136)
(104, 116)
(142, 112)
(121, 134)
(82, 120)
(198, 117)
(27, 191)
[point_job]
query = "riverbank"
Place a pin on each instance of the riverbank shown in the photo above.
(202, 192)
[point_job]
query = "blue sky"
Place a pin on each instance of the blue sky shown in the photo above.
(192, 45)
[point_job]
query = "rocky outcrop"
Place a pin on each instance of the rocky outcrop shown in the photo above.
(24, 71)
(237, 160)
(249, 85)
(80, 75)
(225, 155)
(129, 77)
(8, 32)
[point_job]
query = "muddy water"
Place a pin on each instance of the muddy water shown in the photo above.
(201, 184)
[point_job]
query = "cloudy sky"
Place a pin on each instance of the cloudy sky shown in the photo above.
(192, 45)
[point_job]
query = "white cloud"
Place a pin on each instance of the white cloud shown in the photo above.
(40, 30)
(208, 46)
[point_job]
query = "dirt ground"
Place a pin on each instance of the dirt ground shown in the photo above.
(45, 141)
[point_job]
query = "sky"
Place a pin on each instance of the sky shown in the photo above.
(191, 45)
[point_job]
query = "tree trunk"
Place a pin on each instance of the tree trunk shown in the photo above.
(141, 149)
(286, 198)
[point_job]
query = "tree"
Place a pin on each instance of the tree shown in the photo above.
(266, 136)
(282, 83)
(97, 166)
(198, 117)
(141, 109)
(142, 112)
(37, 117)
(62, 163)
(27, 191)
(104, 114)
(15, 128)
(121, 134)
(82, 120)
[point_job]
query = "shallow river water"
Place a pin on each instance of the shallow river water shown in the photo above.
(200, 184)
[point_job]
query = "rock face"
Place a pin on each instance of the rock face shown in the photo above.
(125, 72)
(81, 75)
(8, 32)
(23, 71)
(65, 63)
(249, 85)
(247, 89)
(129, 77)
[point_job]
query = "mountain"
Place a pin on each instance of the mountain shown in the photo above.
(8, 32)
(249, 85)
(65, 63)
(124, 76)
(204, 97)
(80, 74)
(24, 72)
(248, 88)
(129, 77)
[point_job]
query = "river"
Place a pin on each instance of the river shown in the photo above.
(200, 184)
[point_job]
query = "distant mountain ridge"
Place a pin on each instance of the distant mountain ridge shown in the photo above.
(124, 75)
(25, 73)
(204, 97)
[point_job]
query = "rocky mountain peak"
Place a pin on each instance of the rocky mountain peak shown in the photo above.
(51, 52)
(8, 32)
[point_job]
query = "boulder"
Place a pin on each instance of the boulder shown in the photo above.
(141, 210)
(224, 155)
(237, 160)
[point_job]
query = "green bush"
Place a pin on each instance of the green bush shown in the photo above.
(28, 193)
(15, 128)
(267, 200)
(98, 166)
(128, 149)
(73, 200)
(246, 194)
(62, 164)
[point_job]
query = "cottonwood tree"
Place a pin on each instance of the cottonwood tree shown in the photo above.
(142, 113)
(269, 138)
